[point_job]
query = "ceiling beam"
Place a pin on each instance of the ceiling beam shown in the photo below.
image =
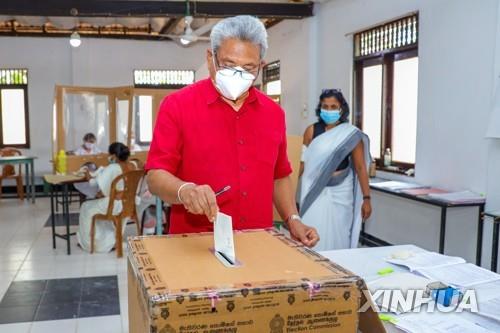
(152, 8)
(272, 22)
(14, 33)
(170, 25)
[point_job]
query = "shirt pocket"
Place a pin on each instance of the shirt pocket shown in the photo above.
(267, 147)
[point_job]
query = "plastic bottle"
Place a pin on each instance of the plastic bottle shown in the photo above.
(387, 157)
(61, 165)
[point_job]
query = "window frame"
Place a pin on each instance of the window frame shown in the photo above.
(161, 86)
(26, 145)
(387, 59)
(271, 75)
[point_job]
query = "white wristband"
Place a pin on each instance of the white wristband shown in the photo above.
(179, 191)
(292, 217)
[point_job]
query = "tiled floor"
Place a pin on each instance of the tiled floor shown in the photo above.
(54, 299)
(26, 254)
(59, 221)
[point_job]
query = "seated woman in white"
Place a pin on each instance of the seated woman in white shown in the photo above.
(88, 147)
(104, 230)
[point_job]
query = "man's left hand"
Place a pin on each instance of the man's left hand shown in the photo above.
(303, 233)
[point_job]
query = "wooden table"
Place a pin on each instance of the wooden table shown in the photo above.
(29, 164)
(63, 182)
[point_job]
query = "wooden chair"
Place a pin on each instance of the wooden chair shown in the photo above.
(130, 181)
(135, 164)
(9, 171)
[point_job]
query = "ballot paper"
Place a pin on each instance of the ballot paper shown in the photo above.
(426, 260)
(223, 240)
(459, 275)
(438, 322)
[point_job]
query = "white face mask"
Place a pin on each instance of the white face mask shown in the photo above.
(88, 145)
(230, 84)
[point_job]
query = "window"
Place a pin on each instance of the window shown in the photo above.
(14, 123)
(144, 119)
(271, 81)
(163, 79)
(386, 89)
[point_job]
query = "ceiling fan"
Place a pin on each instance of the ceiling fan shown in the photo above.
(190, 36)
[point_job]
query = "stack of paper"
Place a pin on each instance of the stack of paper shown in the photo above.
(397, 281)
(425, 260)
(437, 322)
(450, 270)
(490, 308)
(459, 275)
(424, 191)
(488, 297)
(396, 186)
(458, 197)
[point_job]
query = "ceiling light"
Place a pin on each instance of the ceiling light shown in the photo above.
(185, 41)
(75, 40)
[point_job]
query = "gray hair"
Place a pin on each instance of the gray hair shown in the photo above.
(243, 27)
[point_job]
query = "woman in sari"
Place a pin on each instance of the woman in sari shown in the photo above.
(103, 177)
(334, 192)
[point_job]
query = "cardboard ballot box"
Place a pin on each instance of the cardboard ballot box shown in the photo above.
(177, 285)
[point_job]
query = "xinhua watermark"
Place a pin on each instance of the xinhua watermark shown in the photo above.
(413, 300)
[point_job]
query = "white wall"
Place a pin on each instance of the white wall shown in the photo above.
(455, 87)
(202, 71)
(290, 42)
(97, 62)
(493, 175)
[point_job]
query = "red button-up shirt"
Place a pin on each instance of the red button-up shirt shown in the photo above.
(199, 138)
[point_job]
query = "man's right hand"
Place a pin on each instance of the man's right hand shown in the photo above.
(199, 200)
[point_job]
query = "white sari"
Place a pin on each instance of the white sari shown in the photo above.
(332, 204)
(104, 230)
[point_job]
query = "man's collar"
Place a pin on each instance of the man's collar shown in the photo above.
(213, 95)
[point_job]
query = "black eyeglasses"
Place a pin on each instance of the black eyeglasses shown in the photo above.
(231, 71)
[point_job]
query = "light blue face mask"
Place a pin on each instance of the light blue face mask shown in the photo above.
(330, 116)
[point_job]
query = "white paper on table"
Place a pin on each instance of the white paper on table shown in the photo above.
(458, 197)
(223, 239)
(488, 300)
(490, 308)
(460, 275)
(398, 281)
(487, 291)
(426, 260)
(438, 322)
(395, 185)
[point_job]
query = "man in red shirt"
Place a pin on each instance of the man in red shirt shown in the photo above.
(221, 132)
